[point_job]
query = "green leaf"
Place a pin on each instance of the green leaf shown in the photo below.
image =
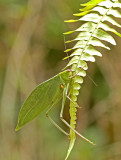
(88, 26)
(117, 5)
(71, 21)
(111, 20)
(92, 17)
(87, 8)
(76, 92)
(81, 72)
(107, 28)
(71, 145)
(82, 13)
(68, 32)
(78, 79)
(79, 63)
(101, 10)
(96, 42)
(76, 86)
(68, 50)
(83, 36)
(74, 100)
(102, 35)
(92, 51)
(87, 57)
(93, 42)
(89, 49)
(106, 4)
(115, 13)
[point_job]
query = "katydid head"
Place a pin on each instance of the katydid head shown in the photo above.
(65, 76)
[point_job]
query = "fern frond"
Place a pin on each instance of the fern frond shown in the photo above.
(92, 33)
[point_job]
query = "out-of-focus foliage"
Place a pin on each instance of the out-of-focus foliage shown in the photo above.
(31, 51)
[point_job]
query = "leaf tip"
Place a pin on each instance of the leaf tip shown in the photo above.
(70, 148)
(17, 127)
(71, 21)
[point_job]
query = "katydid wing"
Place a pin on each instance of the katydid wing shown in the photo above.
(42, 97)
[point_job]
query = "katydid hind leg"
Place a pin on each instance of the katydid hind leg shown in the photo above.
(53, 122)
(73, 101)
(67, 124)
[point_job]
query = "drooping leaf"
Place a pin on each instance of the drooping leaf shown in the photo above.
(94, 15)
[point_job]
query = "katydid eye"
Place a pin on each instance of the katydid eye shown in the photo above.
(62, 86)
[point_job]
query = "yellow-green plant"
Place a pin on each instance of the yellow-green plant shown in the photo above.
(67, 84)
(94, 15)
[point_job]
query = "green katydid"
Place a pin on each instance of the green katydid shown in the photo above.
(46, 95)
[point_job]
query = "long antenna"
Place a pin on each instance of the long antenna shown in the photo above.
(92, 80)
(66, 47)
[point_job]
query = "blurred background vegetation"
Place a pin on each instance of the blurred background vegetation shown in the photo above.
(31, 51)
